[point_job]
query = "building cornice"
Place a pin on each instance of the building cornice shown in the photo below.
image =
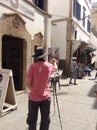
(60, 20)
(37, 8)
(77, 23)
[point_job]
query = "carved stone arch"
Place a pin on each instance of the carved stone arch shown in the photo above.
(12, 25)
(38, 40)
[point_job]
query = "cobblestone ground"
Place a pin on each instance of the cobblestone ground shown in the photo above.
(77, 106)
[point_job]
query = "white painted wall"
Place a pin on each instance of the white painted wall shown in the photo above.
(82, 36)
(84, 4)
(94, 40)
(60, 8)
(49, 5)
(33, 27)
(88, 12)
(59, 38)
(94, 44)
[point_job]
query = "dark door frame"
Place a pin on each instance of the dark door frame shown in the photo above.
(12, 58)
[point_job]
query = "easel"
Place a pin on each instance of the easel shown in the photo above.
(7, 92)
(54, 76)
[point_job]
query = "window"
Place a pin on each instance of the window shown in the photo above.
(88, 25)
(84, 15)
(76, 9)
(40, 4)
(75, 34)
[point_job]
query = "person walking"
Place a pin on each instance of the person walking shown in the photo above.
(39, 97)
(73, 70)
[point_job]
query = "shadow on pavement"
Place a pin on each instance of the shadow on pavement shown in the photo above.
(91, 79)
(92, 94)
(64, 85)
(95, 104)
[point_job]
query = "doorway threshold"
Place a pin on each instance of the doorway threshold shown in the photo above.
(20, 92)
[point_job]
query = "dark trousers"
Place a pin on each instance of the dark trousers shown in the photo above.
(33, 114)
(73, 75)
(87, 72)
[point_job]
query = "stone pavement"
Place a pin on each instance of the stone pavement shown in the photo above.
(77, 105)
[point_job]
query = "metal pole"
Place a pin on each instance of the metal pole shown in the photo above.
(55, 94)
(52, 84)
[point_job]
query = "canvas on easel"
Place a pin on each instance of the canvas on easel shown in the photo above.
(7, 91)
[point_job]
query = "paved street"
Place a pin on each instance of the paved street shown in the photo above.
(77, 105)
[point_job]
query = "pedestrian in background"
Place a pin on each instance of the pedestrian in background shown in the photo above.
(54, 62)
(73, 70)
(93, 60)
(39, 96)
(87, 70)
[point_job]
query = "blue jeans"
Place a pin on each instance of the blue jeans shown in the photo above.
(33, 107)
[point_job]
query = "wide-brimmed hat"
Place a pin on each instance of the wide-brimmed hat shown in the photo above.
(40, 53)
(74, 58)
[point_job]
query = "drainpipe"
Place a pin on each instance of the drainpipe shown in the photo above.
(47, 32)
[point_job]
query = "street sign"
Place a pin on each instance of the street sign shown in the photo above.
(7, 91)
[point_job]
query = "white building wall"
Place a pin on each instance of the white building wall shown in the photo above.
(33, 26)
(60, 9)
(59, 41)
(83, 34)
(87, 6)
(62, 12)
(49, 4)
(93, 40)
(94, 44)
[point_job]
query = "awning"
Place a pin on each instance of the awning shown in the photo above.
(89, 49)
(75, 45)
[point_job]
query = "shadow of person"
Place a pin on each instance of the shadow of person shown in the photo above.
(95, 104)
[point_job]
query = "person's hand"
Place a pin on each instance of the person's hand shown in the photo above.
(95, 93)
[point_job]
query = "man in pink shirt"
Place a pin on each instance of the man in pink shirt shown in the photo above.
(39, 96)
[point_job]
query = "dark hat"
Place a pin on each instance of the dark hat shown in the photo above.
(39, 53)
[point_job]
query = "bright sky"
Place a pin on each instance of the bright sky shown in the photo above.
(94, 0)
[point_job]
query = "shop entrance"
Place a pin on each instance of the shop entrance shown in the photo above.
(12, 58)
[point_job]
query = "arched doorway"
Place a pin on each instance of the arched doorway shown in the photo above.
(15, 48)
(12, 58)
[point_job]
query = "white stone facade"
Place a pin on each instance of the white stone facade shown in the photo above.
(70, 28)
(26, 26)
